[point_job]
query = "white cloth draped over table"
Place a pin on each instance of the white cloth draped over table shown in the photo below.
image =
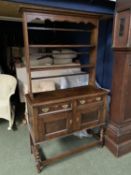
(49, 83)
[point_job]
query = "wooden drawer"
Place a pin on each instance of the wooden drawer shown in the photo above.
(54, 108)
(84, 101)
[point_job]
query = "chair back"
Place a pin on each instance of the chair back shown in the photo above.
(7, 85)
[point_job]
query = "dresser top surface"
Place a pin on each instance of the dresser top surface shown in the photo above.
(64, 95)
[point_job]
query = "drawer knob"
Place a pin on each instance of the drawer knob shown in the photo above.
(45, 109)
(98, 98)
(82, 102)
(65, 106)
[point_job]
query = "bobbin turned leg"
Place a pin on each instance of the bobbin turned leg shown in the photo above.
(31, 145)
(102, 136)
(38, 160)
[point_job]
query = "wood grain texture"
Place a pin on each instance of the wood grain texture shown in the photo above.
(118, 136)
(60, 113)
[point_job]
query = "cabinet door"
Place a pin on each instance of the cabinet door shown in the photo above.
(54, 125)
(121, 29)
(90, 115)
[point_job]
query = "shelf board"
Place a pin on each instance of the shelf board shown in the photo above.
(61, 46)
(63, 66)
(66, 53)
(56, 76)
(58, 29)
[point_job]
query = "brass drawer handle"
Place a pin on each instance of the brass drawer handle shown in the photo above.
(45, 109)
(65, 106)
(82, 102)
(77, 119)
(70, 121)
(98, 98)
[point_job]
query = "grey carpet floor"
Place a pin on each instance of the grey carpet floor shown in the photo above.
(15, 157)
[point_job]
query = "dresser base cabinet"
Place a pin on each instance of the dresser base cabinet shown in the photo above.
(62, 112)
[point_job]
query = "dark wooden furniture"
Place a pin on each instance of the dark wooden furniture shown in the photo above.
(64, 111)
(118, 138)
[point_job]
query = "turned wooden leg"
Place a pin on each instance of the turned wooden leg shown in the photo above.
(31, 144)
(37, 155)
(102, 136)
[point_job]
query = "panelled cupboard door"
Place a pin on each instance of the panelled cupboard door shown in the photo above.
(55, 125)
(89, 115)
(122, 26)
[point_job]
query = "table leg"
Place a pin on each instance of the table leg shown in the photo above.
(37, 155)
(102, 136)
